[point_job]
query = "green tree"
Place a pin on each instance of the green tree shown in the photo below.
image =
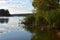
(47, 14)
(45, 4)
(47, 9)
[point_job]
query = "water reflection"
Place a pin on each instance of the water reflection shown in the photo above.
(37, 34)
(13, 29)
(10, 23)
(4, 20)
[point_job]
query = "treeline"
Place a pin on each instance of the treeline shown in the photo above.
(46, 16)
(4, 12)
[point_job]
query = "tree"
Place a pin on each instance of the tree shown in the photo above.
(45, 4)
(47, 15)
(49, 9)
(4, 12)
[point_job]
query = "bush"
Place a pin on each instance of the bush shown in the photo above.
(29, 20)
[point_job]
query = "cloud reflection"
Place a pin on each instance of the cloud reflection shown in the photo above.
(11, 25)
(3, 30)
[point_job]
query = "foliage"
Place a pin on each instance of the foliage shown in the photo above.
(29, 20)
(4, 12)
(47, 14)
(46, 4)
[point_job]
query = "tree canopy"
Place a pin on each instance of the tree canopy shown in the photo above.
(46, 4)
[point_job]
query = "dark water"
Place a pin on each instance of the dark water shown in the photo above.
(12, 29)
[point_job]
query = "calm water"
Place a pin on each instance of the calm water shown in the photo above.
(13, 30)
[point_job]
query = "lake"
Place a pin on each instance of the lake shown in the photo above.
(13, 29)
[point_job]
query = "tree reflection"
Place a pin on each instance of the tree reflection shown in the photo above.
(4, 20)
(41, 35)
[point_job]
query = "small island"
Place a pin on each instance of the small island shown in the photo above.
(4, 12)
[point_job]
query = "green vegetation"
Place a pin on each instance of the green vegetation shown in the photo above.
(47, 16)
(37, 34)
(45, 23)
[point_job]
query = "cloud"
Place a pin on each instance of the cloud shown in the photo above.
(2, 0)
(16, 6)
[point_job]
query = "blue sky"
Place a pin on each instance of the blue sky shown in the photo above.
(17, 6)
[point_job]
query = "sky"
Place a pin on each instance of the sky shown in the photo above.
(17, 6)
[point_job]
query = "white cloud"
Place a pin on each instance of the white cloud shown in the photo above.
(2, 0)
(16, 6)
